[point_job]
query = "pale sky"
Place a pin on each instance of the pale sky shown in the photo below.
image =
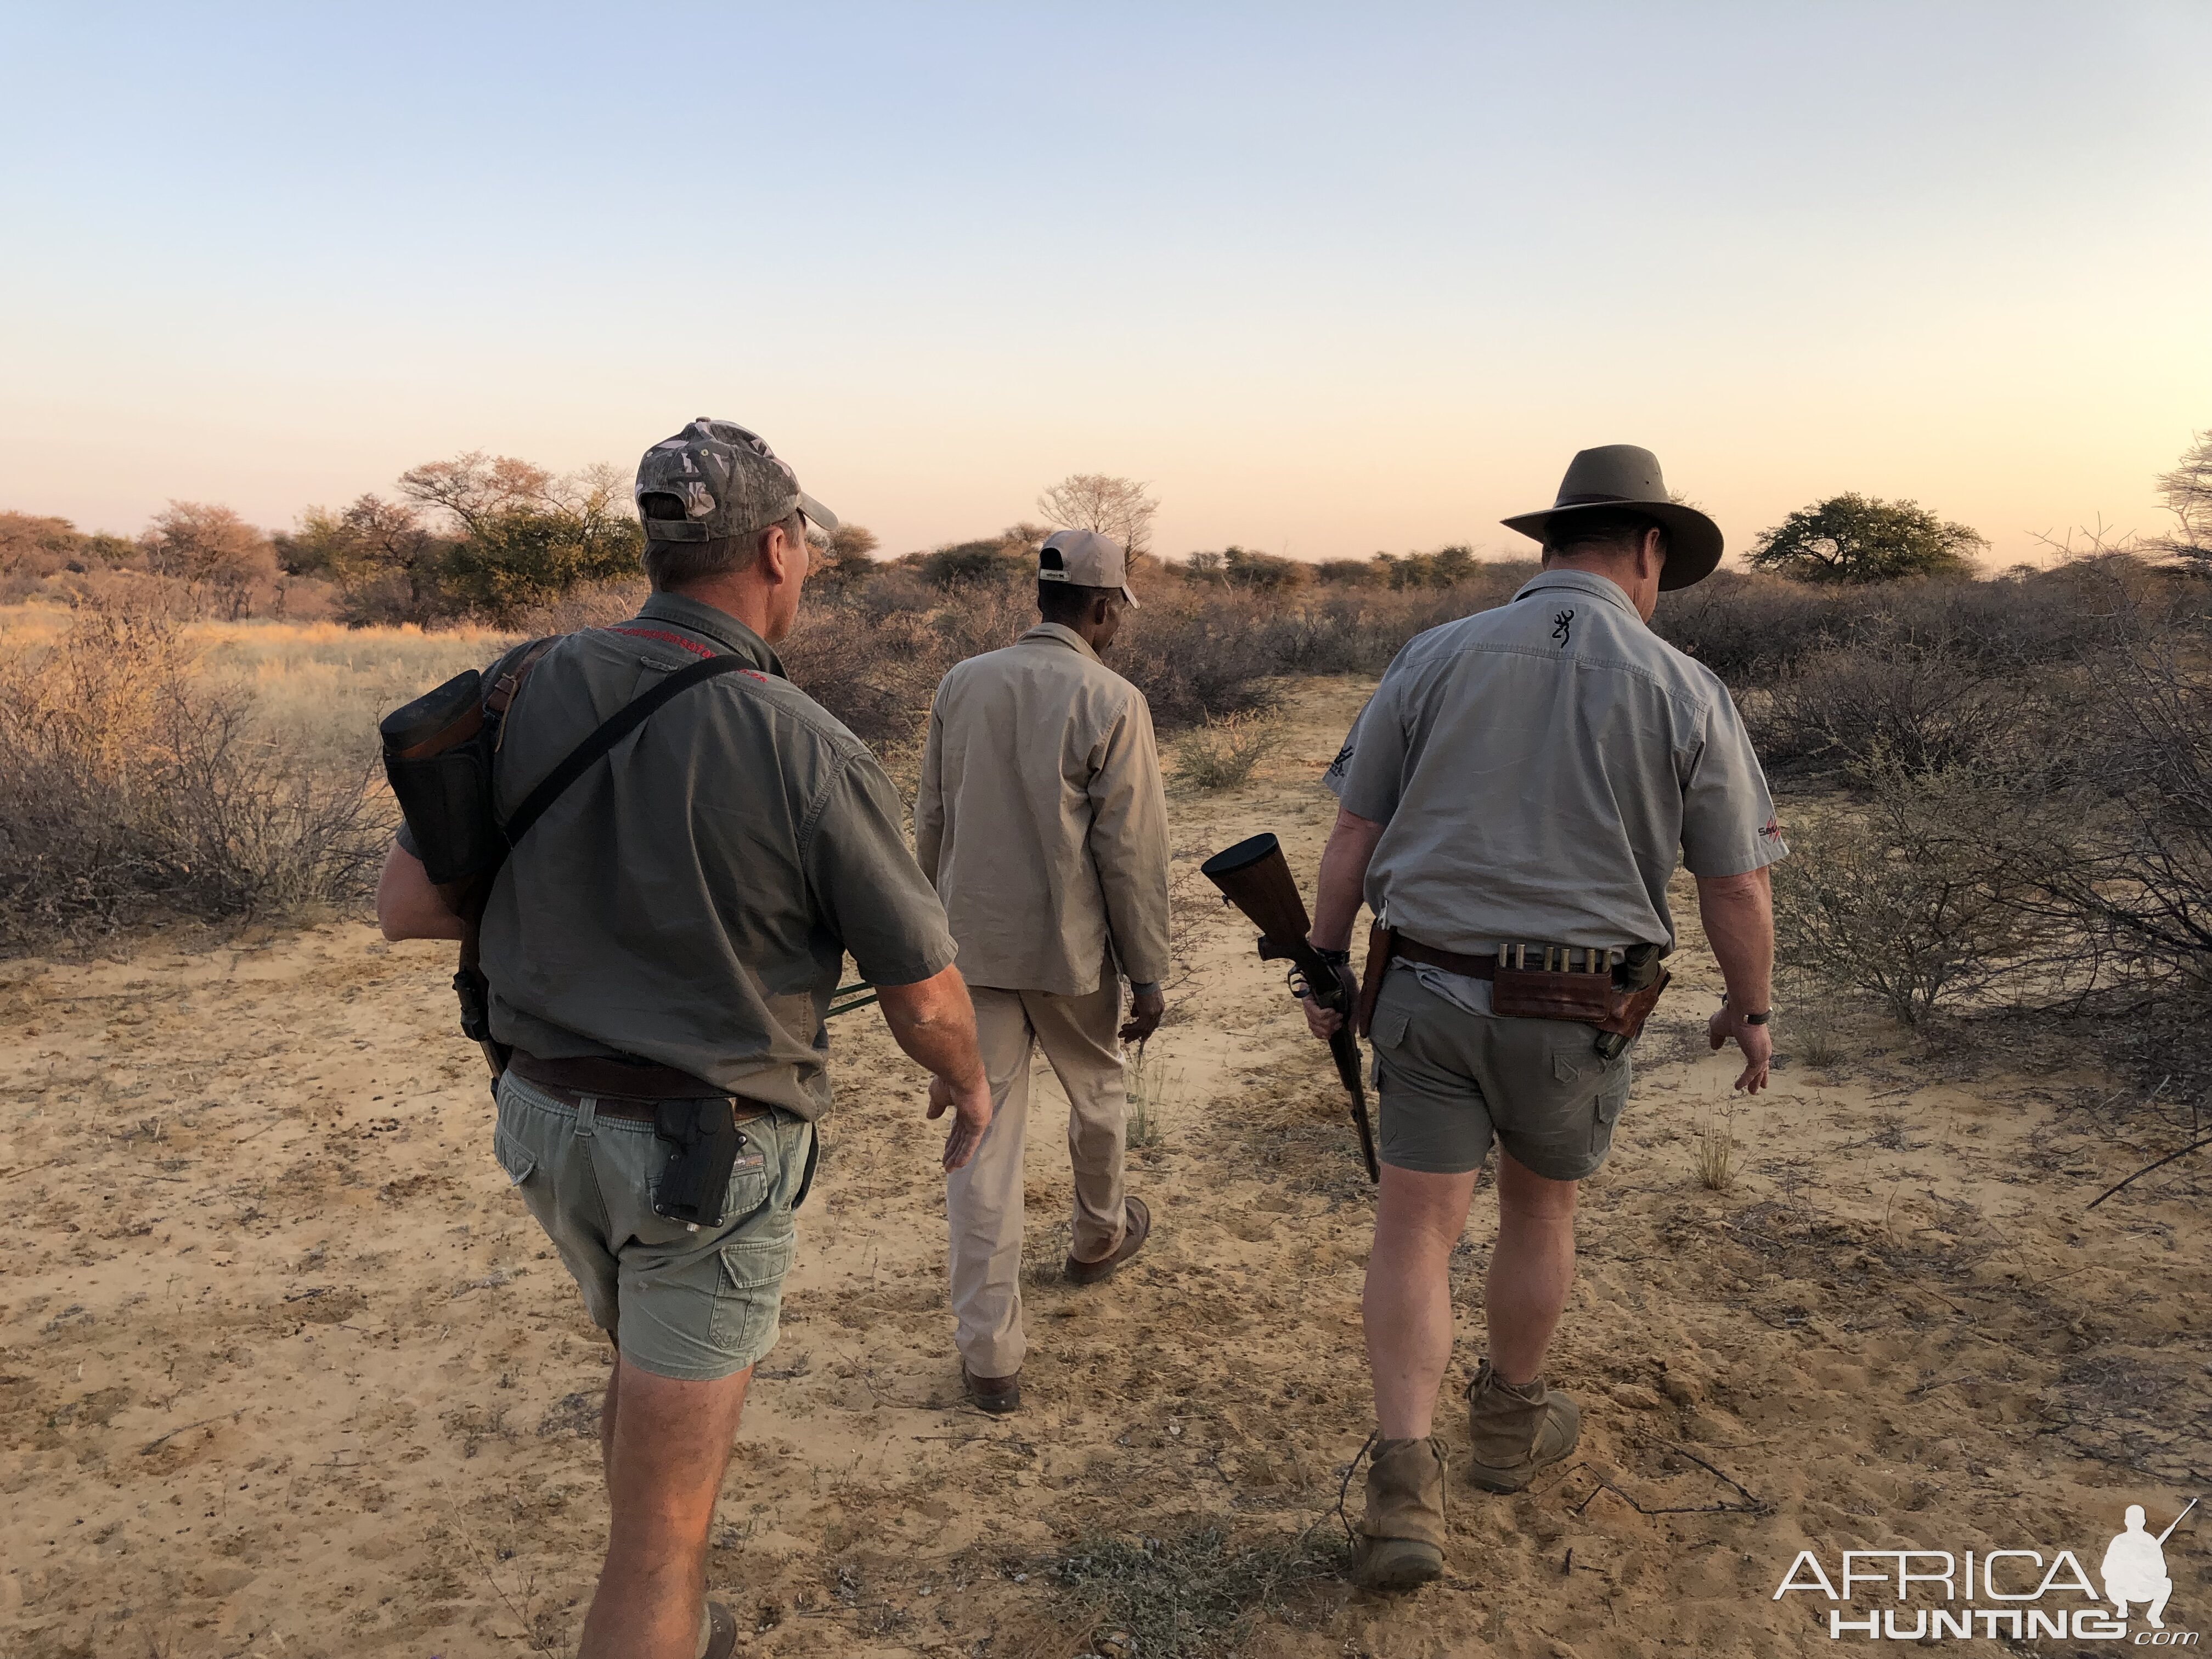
(1332, 279)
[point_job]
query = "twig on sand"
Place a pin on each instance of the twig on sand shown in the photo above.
(1750, 1506)
(2192, 1147)
(537, 1644)
(159, 1441)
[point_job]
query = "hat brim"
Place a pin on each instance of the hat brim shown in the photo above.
(1694, 544)
(817, 515)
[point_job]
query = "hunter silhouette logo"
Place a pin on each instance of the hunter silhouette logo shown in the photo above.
(2134, 1567)
(2033, 1597)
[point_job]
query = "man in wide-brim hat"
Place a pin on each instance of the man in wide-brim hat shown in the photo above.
(1513, 801)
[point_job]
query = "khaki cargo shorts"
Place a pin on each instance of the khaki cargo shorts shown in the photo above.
(1452, 1081)
(695, 1306)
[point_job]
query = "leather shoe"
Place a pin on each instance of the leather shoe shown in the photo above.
(997, 1394)
(1136, 1228)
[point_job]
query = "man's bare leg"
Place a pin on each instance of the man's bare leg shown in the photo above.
(666, 1450)
(1407, 1308)
(607, 1418)
(1531, 1270)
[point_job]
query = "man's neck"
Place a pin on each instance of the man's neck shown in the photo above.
(734, 596)
(1620, 574)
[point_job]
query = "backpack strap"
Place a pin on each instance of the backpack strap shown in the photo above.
(469, 981)
(610, 732)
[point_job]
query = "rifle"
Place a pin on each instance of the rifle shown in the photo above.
(1254, 877)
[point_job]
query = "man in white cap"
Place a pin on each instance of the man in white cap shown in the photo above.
(1042, 823)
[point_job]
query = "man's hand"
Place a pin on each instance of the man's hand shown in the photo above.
(1145, 1008)
(934, 1022)
(1757, 1042)
(971, 1116)
(407, 905)
(1326, 1023)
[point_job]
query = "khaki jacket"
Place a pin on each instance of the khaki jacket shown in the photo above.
(1042, 818)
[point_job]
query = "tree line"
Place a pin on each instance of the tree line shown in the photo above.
(493, 537)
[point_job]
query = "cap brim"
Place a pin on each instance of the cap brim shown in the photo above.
(1694, 543)
(817, 515)
(1130, 597)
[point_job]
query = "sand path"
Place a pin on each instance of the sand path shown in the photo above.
(286, 1370)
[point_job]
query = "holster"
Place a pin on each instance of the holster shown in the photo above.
(1381, 946)
(706, 1141)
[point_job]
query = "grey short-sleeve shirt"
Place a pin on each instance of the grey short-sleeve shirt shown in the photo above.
(691, 898)
(1540, 767)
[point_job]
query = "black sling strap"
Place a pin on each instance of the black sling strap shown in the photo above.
(610, 732)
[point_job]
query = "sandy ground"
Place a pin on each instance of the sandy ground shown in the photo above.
(286, 1370)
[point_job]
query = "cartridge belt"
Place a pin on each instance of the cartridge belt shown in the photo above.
(1554, 958)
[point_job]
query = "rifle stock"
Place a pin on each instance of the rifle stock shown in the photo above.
(1255, 878)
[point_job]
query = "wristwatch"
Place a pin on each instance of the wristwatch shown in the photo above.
(1750, 1020)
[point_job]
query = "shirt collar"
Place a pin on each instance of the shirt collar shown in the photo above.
(1580, 582)
(1066, 636)
(717, 625)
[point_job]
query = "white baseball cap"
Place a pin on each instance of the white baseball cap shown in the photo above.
(1086, 559)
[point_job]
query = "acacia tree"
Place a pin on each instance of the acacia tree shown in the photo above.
(385, 558)
(842, 560)
(524, 536)
(2187, 493)
(474, 487)
(1853, 538)
(1120, 507)
(213, 549)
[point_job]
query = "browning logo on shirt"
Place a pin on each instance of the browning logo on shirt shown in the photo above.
(1563, 624)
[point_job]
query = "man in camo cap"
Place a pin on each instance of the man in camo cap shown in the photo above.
(665, 940)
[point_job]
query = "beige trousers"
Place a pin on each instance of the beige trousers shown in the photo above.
(983, 1202)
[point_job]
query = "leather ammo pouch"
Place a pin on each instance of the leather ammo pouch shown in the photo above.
(1617, 998)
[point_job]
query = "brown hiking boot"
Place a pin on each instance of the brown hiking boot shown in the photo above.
(1517, 1429)
(1401, 1541)
(995, 1394)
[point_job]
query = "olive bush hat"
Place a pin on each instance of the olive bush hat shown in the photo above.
(1622, 475)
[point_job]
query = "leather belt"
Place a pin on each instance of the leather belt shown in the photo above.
(623, 1088)
(1451, 960)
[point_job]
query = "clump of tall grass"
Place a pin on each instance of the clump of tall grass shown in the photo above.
(1222, 753)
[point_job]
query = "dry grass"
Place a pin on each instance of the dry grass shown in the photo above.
(1151, 1086)
(138, 779)
(1716, 1151)
(1222, 753)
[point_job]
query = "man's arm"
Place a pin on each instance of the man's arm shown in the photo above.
(1128, 844)
(407, 905)
(1738, 913)
(1337, 894)
(933, 1021)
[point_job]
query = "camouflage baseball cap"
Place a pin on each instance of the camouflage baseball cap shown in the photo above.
(729, 480)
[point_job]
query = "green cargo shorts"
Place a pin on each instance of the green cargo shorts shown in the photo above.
(694, 1306)
(1452, 1081)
